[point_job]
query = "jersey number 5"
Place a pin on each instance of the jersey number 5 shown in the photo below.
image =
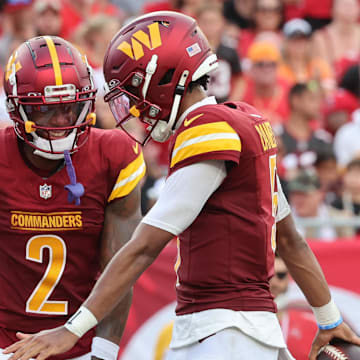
(38, 301)
(274, 198)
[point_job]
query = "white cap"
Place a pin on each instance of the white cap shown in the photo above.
(297, 27)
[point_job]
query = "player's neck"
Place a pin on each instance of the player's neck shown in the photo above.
(46, 166)
(191, 98)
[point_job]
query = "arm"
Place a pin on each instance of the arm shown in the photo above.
(301, 263)
(121, 219)
(307, 273)
(179, 204)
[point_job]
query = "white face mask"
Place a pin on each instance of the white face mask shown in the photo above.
(59, 145)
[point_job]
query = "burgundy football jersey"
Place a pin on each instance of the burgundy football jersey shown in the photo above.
(49, 255)
(226, 255)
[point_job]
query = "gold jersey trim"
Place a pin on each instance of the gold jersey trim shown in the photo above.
(205, 138)
(129, 178)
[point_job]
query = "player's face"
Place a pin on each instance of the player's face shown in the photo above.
(56, 118)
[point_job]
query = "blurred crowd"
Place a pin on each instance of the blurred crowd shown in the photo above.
(296, 61)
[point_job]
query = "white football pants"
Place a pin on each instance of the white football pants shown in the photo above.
(228, 344)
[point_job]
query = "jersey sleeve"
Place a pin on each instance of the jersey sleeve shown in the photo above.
(205, 140)
(132, 166)
(283, 205)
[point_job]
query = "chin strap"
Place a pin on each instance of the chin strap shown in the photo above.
(75, 189)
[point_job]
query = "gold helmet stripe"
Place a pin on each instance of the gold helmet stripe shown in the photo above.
(54, 59)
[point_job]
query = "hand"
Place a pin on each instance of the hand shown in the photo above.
(41, 345)
(323, 337)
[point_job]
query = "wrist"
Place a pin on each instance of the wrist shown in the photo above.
(327, 316)
(104, 349)
(81, 322)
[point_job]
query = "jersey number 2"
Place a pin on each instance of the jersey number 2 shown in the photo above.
(274, 198)
(38, 301)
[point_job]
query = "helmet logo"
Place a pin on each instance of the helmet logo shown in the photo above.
(9, 66)
(136, 51)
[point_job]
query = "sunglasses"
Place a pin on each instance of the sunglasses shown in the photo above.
(281, 275)
(265, 64)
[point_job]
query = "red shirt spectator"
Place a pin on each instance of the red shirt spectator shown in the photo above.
(264, 89)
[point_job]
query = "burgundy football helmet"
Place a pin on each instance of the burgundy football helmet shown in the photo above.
(47, 76)
(148, 67)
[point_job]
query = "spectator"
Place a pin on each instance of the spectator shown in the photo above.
(268, 17)
(317, 13)
(338, 42)
(75, 12)
(350, 198)
(17, 27)
(307, 201)
(299, 65)
(191, 7)
(188, 7)
(240, 12)
(350, 81)
(338, 108)
(92, 37)
(346, 143)
(48, 20)
(226, 81)
(263, 88)
(279, 283)
(329, 176)
(300, 140)
(165, 5)
(346, 140)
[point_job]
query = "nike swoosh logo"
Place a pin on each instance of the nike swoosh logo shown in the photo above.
(136, 148)
(188, 122)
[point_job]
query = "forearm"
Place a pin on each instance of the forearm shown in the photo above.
(302, 264)
(125, 268)
(113, 325)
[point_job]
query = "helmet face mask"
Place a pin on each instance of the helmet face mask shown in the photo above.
(50, 96)
(152, 60)
(130, 110)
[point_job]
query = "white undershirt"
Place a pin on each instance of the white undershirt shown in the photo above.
(185, 193)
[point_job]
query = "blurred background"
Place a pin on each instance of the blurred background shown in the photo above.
(296, 61)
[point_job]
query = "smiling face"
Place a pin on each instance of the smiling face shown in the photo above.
(55, 119)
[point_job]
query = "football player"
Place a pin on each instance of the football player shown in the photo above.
(222, 199)
(69, 196)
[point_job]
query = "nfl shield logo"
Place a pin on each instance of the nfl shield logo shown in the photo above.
(45, 191)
